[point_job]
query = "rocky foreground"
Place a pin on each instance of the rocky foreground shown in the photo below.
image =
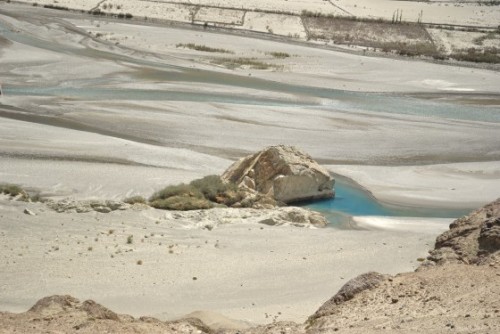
(456, 289)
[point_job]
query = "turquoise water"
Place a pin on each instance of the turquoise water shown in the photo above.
(352, 200)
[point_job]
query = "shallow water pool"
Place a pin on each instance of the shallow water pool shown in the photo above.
(352, 200)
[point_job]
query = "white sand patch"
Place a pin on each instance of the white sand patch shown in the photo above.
(220, 16)
(289, 6)
(408, 224)
(447, 185)
(241, 270)
(149, 9)
(277, 24)
(444, 85)
(108, 167)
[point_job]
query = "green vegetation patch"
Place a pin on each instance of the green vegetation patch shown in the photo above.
(202, 48)
(11, 189)
(14, 190)
(279, 55)
(202, 193)
(488, 55)
(135, 200)
(252, 63)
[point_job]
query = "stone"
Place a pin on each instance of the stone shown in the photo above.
(295, 216)
(29, 212)
(88, 206)
(283, 173)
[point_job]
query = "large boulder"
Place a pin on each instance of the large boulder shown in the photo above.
(282, 172)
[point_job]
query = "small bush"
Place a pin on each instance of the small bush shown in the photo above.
(130, 239)
(176, 190)
(14, 190)
(182, 203)
(135, 200)
(203, 193)
(211, 186)
(11, 189)
(279, 55)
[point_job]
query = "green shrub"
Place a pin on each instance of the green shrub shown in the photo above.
(279, 55)
(135, 199)
(11, 189)
(211, 186)
(202, 193)
(176, 190)
(182, 203)
(14, 190)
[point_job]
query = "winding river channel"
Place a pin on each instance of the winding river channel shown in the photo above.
(350, 199)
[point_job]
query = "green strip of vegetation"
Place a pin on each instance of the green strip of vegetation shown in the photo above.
(488, 55)
(252, 63)
(56, 7)
(279, 55)
(202, 48)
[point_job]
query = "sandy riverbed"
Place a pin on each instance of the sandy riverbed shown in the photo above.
(72, 144)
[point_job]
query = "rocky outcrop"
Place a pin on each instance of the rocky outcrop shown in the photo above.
(446, 293)
(88, 206)
(210, 219)
(454, 297)
(282, 172)
(474, 238)
(355, 286)
(66, 314)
